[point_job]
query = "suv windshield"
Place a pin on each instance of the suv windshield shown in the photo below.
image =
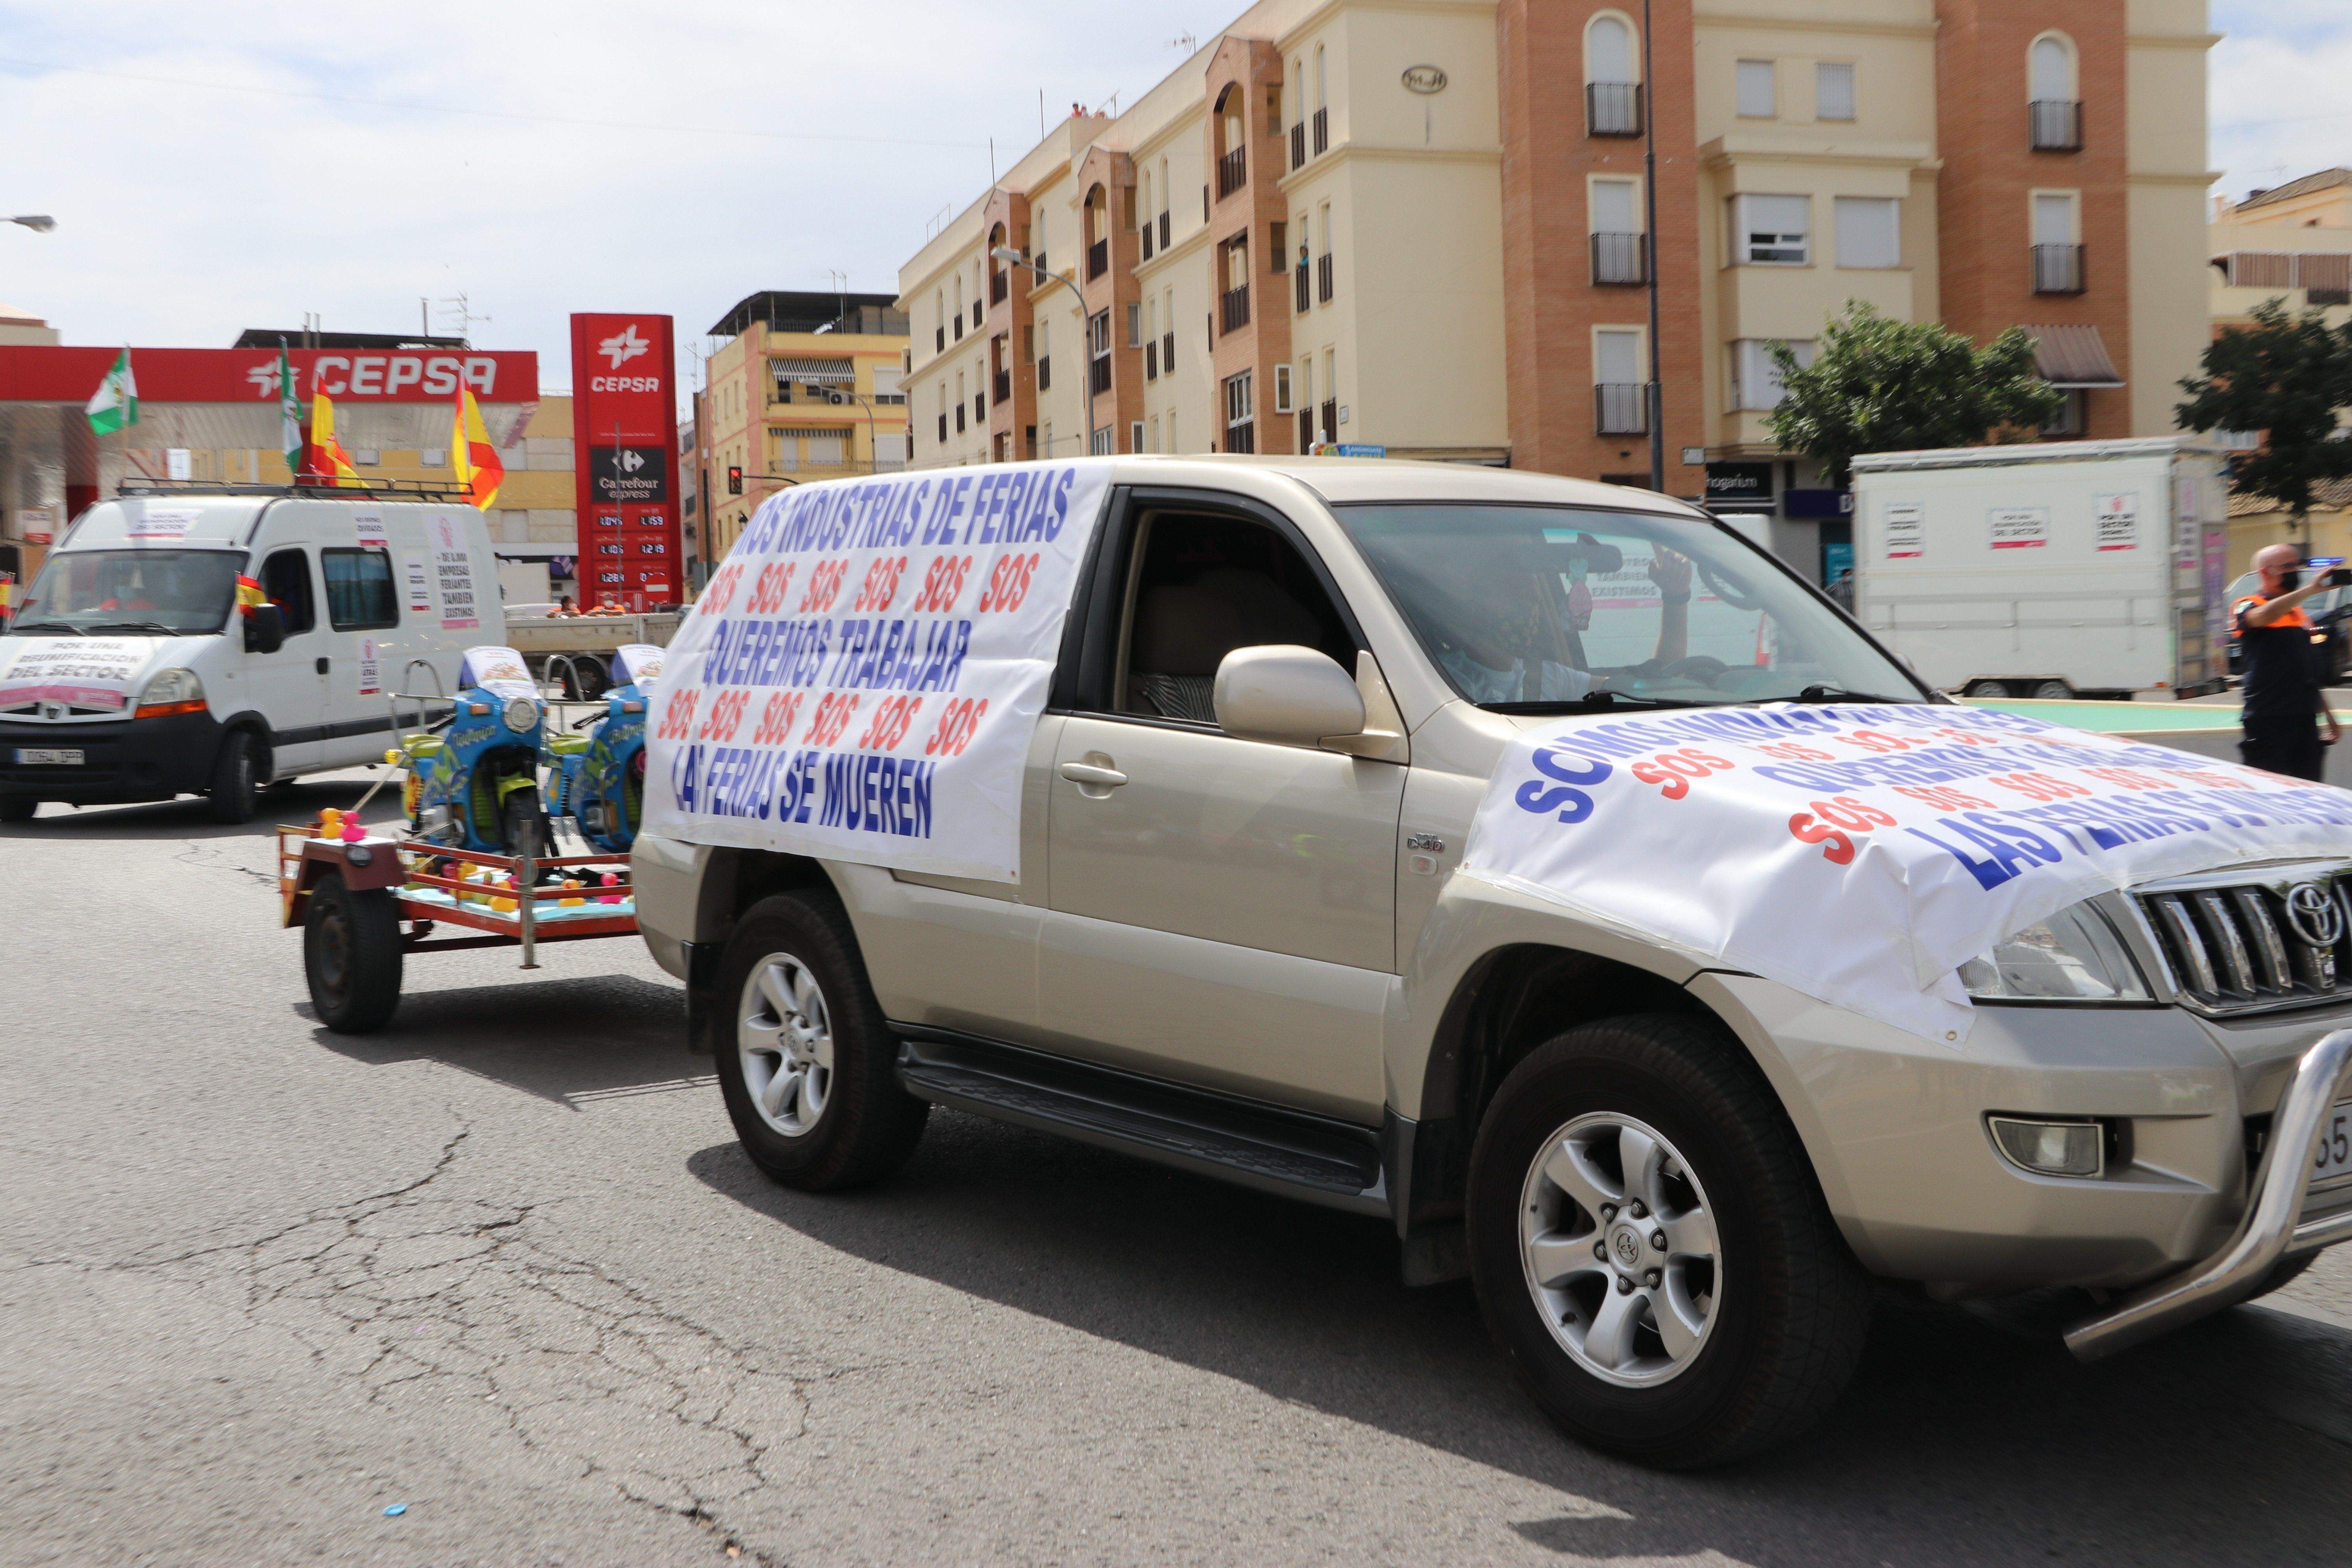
(1537, 609)
(160, 593)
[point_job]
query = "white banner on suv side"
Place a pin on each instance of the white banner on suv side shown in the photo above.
(1861, 854)
(861, 677)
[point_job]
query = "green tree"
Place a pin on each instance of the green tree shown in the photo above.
(1883, 385)
(2284, 376)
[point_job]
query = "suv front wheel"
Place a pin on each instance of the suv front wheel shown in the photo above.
(805, 1058)
(1650, 1250)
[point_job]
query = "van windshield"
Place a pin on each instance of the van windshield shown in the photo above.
(157, 592)
(1559, 609)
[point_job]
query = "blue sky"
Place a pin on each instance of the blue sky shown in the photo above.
(214, 166)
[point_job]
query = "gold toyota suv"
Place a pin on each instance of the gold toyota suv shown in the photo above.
(1242, 945)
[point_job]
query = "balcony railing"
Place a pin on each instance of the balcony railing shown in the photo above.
(1152, 360)
(1044, 372)
(1302, 289)
(1004, 386)
(1098, 258)
(1298, 145)
(1234, 305)
(1241, 437)
(1098, 375)
(1306, 431)
(979, 309)
(2057, 270)
(1620, 258)
(958, 326)
(1330, 421)
(1612, 107)
(1322, 131)
(943, 428)
(940, 338)
(1164, 230)
(959, 419)
(979, 408)
(997, 286)
(1168, 353)
(1147, 226)
(2056, 124)
(1620, 408)
(1323, 278)
(1233, 172)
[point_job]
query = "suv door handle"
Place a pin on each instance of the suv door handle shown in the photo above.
(1087, 775)
(322, 665)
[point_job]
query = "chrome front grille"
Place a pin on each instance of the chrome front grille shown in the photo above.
(2239, 944)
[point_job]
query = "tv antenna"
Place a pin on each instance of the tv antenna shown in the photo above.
(461, 308)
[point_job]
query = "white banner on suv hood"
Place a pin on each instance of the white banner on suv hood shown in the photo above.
(1860, 855)
(862, 677)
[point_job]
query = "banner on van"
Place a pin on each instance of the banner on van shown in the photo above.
(1821, 846)
(81, 672)
(862, 677)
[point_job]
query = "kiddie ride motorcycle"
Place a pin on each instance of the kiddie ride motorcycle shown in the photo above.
(476, 785)
(598, 779)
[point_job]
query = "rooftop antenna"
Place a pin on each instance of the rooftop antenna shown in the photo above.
(1184, 41)
(462, 308)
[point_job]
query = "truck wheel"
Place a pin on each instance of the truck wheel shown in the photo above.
(18, 808)
(1652, 1251)
(236, 787)
(350, 955)
(805, 1055)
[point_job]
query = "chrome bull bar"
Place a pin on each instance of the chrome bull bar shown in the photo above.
(2270, 1228)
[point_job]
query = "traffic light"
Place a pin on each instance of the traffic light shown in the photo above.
(734, 480)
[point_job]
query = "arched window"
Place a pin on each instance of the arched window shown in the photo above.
(1612, 92)
(2053, 108)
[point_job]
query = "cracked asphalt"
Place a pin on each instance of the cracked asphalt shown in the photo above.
(504, 1265)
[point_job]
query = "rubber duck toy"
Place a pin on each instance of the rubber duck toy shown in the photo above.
(610, 879)
(331, 822)
(572, 903)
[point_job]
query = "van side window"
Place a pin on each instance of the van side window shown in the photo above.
(359, 589)
(286, 582)
(1207, 585)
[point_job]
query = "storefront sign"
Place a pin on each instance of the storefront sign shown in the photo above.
(1739, 482)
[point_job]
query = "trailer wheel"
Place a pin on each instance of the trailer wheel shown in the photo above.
(1986, 688)
(350, 955)
(2054, 690)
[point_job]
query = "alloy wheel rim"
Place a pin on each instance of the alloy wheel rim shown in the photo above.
(1619, 1246)
(783, 1034)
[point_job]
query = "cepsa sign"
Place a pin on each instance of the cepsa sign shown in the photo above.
(625, 431)
(41, 373)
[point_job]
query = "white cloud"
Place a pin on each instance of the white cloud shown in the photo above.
(187, 213)
(2277, 107)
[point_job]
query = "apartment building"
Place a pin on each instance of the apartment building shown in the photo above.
(806, 386)
(1423, 225)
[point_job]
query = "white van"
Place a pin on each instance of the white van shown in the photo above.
(130, 673)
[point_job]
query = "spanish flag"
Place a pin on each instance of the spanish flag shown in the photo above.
(327, 458)
(249, 595)
(472, 453)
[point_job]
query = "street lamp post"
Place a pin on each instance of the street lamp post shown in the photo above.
(1006, 253)
(1656, 390)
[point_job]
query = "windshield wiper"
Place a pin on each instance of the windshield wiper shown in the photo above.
(1590, 702)
(44, 626)
(1832, 694)
(156, 627)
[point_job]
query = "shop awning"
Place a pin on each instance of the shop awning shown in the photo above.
(2073, 356)
(811, 368)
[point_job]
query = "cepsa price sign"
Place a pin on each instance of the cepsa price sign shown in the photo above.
(862, 677)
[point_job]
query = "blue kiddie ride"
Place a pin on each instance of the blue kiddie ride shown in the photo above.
(598, 779)
(476, 785)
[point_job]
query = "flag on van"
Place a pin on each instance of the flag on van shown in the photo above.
(289, 413)
(115, 404)
(472, 453)
(249, 595)
(328, 457)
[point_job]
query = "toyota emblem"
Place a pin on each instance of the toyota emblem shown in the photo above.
(2312, 912)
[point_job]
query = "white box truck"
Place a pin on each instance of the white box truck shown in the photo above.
(2054, 569)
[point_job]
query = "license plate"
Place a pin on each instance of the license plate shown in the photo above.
(2333, 1157)
(55, 757)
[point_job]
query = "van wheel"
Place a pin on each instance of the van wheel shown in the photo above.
(805, 1059)
(18, 808)
(236, 787)
(1652, 1251)
(350, 955)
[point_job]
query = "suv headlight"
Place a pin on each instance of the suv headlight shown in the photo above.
(521, 715)
(170, 692)
(2072, 956)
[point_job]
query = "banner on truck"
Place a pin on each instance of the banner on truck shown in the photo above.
(861, 679)
(1858, 854)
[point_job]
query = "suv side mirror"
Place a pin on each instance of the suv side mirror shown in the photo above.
(1282, 692)
(265, 630)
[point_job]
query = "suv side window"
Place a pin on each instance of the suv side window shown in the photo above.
(286, 582)
(359, 589)
(1204, 584)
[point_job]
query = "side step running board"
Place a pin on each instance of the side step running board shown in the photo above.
(1297, 1155)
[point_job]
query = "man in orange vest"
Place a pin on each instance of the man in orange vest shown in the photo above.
(2285, 698)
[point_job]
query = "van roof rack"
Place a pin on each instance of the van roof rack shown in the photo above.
(322, 490)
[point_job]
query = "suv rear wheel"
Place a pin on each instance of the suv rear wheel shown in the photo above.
(1650, 1250)
(805, 1058)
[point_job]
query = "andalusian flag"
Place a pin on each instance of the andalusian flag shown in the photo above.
(115, 404)
(472, 454)
(328, 457)
(289, 413)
